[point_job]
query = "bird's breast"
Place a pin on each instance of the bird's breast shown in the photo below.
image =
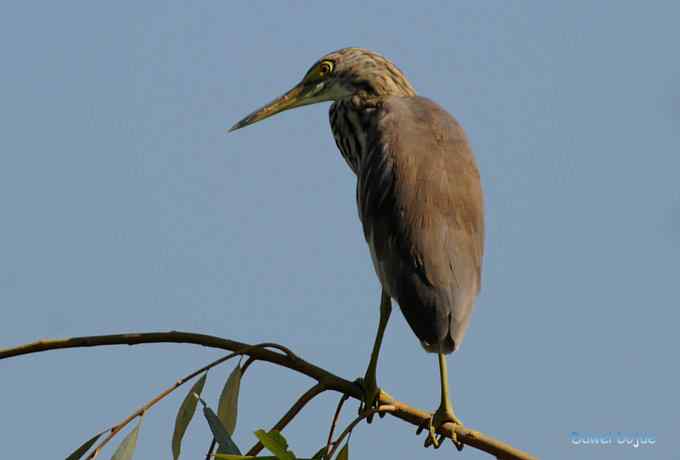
(350, 129)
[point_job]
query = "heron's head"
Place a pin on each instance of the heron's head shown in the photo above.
(338, 75)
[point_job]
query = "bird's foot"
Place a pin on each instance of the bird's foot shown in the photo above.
(371, 398)
(440, 417)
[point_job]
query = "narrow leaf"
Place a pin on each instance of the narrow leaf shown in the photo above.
(127, 447)
(185, 414)
(227, 410)
(275, 443)
(320, 453)
(80, 451)
(226, 444)
(344, 453)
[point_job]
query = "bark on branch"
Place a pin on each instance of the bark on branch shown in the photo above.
(286, 359)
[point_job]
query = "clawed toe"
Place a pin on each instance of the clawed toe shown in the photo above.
(371, 399)
(433, 424)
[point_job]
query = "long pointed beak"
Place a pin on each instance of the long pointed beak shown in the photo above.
(296, 97)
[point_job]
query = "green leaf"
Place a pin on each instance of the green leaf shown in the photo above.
(320, 453)
(275, 443)
(80, 451)
(344, 453)
(227, 410)
(226, 444)
(127, 447)
(185, 414)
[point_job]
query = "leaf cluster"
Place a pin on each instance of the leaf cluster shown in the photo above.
(222, 425)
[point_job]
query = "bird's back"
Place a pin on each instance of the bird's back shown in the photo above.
(420, 203)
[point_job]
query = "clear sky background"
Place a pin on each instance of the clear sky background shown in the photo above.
(125, 206)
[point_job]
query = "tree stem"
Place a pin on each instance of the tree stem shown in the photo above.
(286, 359)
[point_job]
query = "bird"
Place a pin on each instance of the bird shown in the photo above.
(419, 200)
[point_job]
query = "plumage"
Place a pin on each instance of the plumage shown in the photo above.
(420, 203)
(418, 195)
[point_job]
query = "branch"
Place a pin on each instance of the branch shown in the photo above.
(336, 416)
(288, 360)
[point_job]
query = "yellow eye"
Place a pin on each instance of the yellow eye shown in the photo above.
(325, 68)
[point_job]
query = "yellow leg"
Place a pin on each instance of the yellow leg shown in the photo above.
(369, 382)
(444, 413)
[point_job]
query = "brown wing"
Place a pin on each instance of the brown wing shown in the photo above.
(420, 202)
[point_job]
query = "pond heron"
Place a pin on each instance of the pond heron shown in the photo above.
(419, 198)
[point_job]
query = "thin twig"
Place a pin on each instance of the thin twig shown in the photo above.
(330, 381)
(276, 346)
(292, 412)
(245, 367)
(360, 417)
(213, 443)
(334, 422)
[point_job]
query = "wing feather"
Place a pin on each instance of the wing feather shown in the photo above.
(420, 201)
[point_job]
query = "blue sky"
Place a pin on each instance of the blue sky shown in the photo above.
(127, 207)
